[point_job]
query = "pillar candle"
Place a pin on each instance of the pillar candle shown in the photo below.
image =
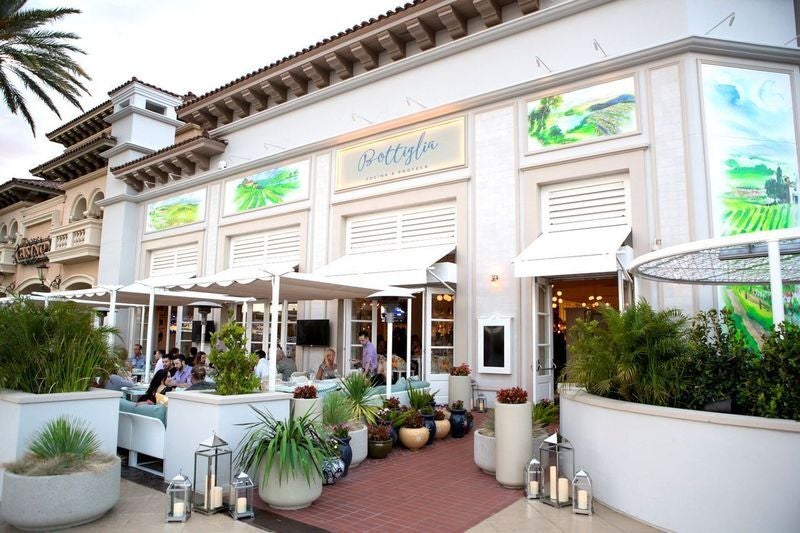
(533, 488)
(211, 480)
(216, 497)
(553, 481)
(583, 500)
(241, 504)
(563, 489)
(178, 508)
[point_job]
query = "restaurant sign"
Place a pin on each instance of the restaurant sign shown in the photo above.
(431, 148)
(32, 251)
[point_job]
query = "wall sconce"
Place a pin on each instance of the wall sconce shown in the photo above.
(41, 271)
(494, 278)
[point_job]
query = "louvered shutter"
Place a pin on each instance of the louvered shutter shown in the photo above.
(263, 248)
(402, 229)
(174, 261)
(592, 203)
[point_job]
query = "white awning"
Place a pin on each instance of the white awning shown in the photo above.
(138, 293)
(565, 253)
(395, 267)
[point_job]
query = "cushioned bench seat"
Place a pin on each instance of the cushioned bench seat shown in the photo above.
(142, 429)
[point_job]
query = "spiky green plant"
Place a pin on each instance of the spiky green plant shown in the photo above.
(295, 445)
(52, 349)
(419, 398)
(363, 400)
(634, 355)
(335, 409)
(36, 58)
(63, 446)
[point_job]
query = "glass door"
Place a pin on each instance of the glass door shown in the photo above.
(542, 340)
(440, 334)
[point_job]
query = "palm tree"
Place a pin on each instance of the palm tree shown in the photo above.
(37, 58)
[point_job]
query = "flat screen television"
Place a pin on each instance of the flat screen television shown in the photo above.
(313, 332)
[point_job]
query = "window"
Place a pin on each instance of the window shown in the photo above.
(494, 345)
(123, 104)
(442, 332)
(281, 246)
(361, 316)
(155, 108)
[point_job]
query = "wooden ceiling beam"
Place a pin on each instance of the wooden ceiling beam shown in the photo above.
(200, 161)
(256, 97)
(223, 113)
(365, 55)
(528, 6)
(184, 164)
(394, 45)
(491, 13)
(319, 76)
(238, 105)
(343, 67)
(297, 83)
(454, 22)
(422, 34)
(275, 90)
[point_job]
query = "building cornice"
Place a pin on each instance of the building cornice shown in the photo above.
(127, 145)
(131, 109)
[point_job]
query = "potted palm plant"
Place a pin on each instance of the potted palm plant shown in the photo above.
(288, 456)
(380, 441)
(63, 461)
(513, 428)
(363, 403)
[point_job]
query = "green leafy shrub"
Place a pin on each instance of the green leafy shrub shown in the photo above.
(62, 446)
(544, 413)
(234, 365)
(715, 366)
(52, 349)
(773, 387)
(634, 355)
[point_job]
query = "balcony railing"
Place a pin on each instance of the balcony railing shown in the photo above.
(7, 265)
(77, 242)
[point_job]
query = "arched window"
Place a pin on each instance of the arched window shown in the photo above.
(13, 229)
(3, 233)
(78, 209)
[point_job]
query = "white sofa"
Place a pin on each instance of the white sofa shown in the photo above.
(141, 432)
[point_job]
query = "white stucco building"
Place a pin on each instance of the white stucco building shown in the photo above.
(494, 154)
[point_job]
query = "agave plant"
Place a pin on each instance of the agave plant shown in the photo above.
(294, 445)
(363, 400)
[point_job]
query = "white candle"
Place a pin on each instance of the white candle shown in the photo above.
(553, 481)
(241, 504)
(583, 500)
(216, 497)
(178, 508)
(211, 480)
(533, 488)
(563, 489)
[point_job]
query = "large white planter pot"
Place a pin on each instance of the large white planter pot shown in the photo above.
(512, 427)
(358, 443)
(459, 388)
(59, 502)
(483, 451)
(290, 492)
(193, 416)
(302, 406)
(683, 470)
(23, 414)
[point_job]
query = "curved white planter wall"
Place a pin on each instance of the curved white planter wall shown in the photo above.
(22, 414)
(687, 471)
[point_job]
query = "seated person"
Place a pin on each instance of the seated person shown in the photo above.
(201, 360)
(183, 376)
(136, 360)
(262, 367)
(161, 359)
(157, 386)
(327, 369)
(115, 382)
(284, 365)
(199, 380)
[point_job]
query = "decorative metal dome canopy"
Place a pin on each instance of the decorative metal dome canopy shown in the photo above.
(759, 258)
(735, 260)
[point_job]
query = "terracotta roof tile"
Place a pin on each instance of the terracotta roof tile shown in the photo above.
(306, 50)
(137, 80)
(44, 184)
(203, 135)
(63, 155)
(79, 118)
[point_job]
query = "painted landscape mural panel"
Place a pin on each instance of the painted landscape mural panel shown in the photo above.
(271, 187)
(176, 211)
(587, 114)
(752, 159)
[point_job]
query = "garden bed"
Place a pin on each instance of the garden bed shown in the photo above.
(686, 470)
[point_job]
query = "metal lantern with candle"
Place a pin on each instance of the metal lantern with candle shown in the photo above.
(212, 475)
(557, 463)
(582, 499)
(481, 403)
(241, 497)
(179, 499)
(533, 479)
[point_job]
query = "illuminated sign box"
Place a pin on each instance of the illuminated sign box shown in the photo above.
(423, 150)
